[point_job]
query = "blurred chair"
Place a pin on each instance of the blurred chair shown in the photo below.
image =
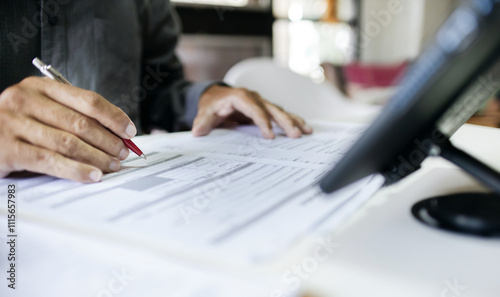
(296, 93)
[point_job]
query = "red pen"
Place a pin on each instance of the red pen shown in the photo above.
(131, 146)
(52, 73)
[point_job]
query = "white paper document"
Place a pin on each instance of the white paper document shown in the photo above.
(59, 263)
(231, 197)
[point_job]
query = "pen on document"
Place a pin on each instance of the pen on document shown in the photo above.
(52, 73)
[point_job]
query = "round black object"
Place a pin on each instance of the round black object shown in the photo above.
(471, 213)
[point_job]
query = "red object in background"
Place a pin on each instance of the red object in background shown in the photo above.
(369, 76)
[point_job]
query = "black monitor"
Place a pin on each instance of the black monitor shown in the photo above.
(440, 92)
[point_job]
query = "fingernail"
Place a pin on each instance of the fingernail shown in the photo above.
(95, 175)
(131, 130)
(124, 153)
(114, 166)
(308, 128)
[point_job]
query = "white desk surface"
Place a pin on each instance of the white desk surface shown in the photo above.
(384, 251)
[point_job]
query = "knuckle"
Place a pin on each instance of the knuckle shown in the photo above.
(92, 99)
(44, 157)
(68, 143)
(81, 125)
(12, 97)
(30, 80)
(242, 92)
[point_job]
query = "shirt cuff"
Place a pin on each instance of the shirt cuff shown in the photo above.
(193, 95)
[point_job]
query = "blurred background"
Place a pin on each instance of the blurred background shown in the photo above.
(360, 46)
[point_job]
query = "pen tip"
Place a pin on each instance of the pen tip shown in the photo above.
(143, 156)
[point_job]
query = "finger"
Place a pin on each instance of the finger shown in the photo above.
(90, 104)
(87, 129)
(299, 122)
(41, 160)
(61, 117)
(285, 121)
(255, 110)
(204, 123)
(63, 143)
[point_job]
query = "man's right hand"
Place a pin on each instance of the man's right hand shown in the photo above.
(60, 130)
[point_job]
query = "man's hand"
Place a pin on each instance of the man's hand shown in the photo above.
(60, 130)
(219, 104)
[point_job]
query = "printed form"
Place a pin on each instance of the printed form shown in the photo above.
(231, 195)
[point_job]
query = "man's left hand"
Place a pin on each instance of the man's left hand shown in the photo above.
(220, 104)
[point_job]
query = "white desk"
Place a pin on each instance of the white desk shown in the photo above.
(384, 251)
